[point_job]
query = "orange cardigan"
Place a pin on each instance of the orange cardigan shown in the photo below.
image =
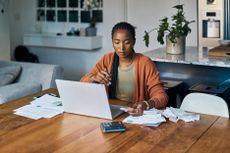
(147, 80)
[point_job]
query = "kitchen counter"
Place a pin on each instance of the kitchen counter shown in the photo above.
(193, 55)
(193, 67)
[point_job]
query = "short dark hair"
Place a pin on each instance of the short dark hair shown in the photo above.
(125, 26)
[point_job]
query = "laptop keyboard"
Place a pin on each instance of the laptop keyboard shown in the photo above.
(115, 110)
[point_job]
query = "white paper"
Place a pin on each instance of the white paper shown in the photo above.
(38, 111)
(155, 117)
(27, 115)
(169, 114)
(189, 117)
(153, 120)
(175, 114)
(46, 106)
(152, 111)
(48, 101)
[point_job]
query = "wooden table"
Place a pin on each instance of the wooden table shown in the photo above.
(77, 134)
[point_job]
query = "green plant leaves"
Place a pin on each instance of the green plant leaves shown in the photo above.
(146, 39)
(179, 7)
(164, 25)
(179, 27)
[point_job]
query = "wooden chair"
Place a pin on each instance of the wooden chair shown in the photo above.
(205, 104)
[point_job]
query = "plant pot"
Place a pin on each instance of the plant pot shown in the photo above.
(91, 31)
(176, 48)
(176, 57)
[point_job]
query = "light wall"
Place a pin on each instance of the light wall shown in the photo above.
(4, 31)
(143, 14)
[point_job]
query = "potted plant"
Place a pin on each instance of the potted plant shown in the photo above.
(91, 30)
(175, 33)
(90, 5)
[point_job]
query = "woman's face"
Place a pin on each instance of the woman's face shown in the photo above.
(123, 43)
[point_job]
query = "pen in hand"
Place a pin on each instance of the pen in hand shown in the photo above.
(124, 109)
(102, 77)
(107, 77)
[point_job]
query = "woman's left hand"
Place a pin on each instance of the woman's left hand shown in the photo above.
(137, 109)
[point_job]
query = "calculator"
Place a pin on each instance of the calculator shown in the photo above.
(112, 127)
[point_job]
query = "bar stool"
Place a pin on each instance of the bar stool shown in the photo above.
(175, 91)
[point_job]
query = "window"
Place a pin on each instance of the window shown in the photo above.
(67, 11)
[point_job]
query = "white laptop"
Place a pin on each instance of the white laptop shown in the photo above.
(88, 99)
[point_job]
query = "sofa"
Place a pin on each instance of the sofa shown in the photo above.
(19, 79)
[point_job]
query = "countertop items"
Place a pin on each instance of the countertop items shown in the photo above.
(221, 51)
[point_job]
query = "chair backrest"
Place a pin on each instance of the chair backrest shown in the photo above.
(205, 104)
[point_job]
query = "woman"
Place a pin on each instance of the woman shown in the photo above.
(128, 75)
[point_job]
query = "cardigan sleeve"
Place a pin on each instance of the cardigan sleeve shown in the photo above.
(105, 62)
(98, 67)
(154, 85)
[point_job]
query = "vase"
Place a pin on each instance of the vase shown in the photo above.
(176, 48)
(91, 31)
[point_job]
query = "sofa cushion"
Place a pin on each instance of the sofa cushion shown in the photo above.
(8, 74)
(18, 90)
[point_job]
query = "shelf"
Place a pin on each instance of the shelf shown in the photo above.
(63, 41)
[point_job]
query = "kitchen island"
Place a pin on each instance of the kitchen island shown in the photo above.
(192, 67)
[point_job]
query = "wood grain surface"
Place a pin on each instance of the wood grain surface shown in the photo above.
(69, 133)
(221, 51)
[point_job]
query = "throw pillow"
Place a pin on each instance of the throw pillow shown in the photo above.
(8, 74)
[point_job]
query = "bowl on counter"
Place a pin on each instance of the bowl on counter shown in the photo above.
(225, 43)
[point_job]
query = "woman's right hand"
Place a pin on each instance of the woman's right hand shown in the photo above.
(102, 77)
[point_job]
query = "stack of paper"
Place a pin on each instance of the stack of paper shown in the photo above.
(154, 117)
(151, 117)
(46, 106)
(175, 114)
(48, 101)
